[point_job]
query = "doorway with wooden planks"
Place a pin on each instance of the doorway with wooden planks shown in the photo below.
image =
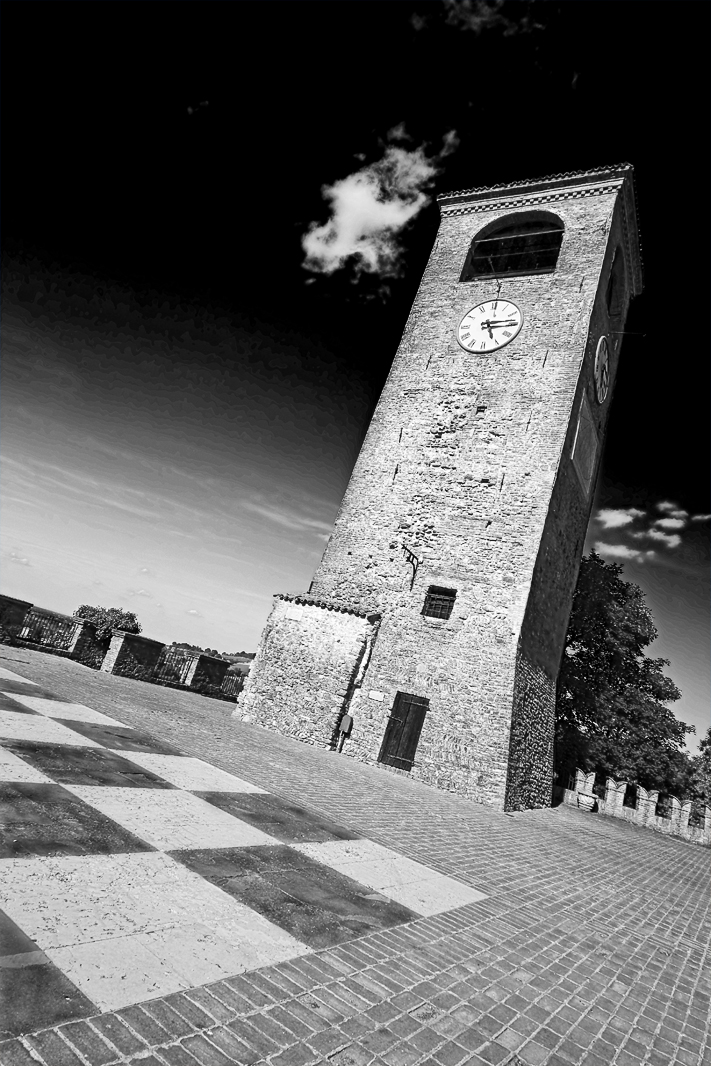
(403, 730)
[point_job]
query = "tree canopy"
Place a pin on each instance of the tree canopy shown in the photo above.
(611, 713)
(107, 619)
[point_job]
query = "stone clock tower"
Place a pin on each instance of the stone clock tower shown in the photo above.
(434, 626)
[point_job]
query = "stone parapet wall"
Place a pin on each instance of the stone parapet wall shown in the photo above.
(131, 655)
(207, 672)
(304, 674)
(645, 812)
(50, 628)
(12, 614)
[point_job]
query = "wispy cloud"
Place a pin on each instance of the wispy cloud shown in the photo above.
(624, 525)
(476, 16)
(195, 614)
(671, 523)
(614, 518)
(670, 540)
(371, 207)
(139, 592)
(621, 551)
(19, 558)
(669, 507)
(285, 517)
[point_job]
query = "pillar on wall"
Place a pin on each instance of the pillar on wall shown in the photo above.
(684, 815)
(206, 670)
(131, 655)
(675, 814)
(12, 614)
(646, 805)
(584, 782)
(614, 796)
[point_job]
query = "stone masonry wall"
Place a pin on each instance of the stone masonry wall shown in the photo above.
(305, 669)
(530, 765)
(131, 655)
(12, 613)
(207, 672)
(465, 480)
(556, 571)
(459, 465)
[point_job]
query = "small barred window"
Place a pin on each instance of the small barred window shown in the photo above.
(515, 246)
(438, 602)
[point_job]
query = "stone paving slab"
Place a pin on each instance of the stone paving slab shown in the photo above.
(591, 947)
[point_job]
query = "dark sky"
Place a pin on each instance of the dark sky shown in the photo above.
(108, 176)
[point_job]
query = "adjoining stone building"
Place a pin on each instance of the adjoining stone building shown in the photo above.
(437, 616)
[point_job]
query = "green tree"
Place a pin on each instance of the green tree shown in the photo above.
(107, 618)
(701, 773)
(611, 713)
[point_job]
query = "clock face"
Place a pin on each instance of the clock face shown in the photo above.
(602, 370)
(489, 326)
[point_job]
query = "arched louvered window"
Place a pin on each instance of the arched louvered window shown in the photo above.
(518, 244)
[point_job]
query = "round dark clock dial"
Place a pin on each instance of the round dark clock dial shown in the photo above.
(601, 370)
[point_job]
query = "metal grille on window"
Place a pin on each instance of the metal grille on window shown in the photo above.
(439, 602)
(515, 248)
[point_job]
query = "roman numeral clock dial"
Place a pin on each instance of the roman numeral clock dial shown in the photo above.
(489, 326)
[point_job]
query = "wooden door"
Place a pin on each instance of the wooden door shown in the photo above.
(403, 730)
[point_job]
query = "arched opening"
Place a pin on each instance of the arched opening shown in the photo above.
(527, 243)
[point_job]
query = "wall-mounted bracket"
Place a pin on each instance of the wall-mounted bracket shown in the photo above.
(413, 561)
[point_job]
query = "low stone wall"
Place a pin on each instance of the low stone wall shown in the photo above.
(131, 655)
(49, 628)
(12, 614)
(308, 657)
(674, 821)
(61, 634)
(206, 674)
(127, 654)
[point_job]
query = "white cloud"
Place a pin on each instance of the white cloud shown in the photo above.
(195, 614)
(285, 517)
(622, 551)
(139, 592)
(700, 517)
(670, 523)
(613, 518)
(667, 506)
(17, 557)
(371, 207)
(479, 15)
(671, 540)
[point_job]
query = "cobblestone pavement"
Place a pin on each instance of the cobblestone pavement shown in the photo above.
(591, 946)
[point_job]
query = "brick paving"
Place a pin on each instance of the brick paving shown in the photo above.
(591, 949)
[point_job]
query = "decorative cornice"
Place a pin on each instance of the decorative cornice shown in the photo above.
(308, 601)
(525, 201)
(570, 177)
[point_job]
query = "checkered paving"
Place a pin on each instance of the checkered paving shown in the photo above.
(129, 871)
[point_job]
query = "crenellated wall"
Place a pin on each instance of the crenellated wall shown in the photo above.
(671, 818)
